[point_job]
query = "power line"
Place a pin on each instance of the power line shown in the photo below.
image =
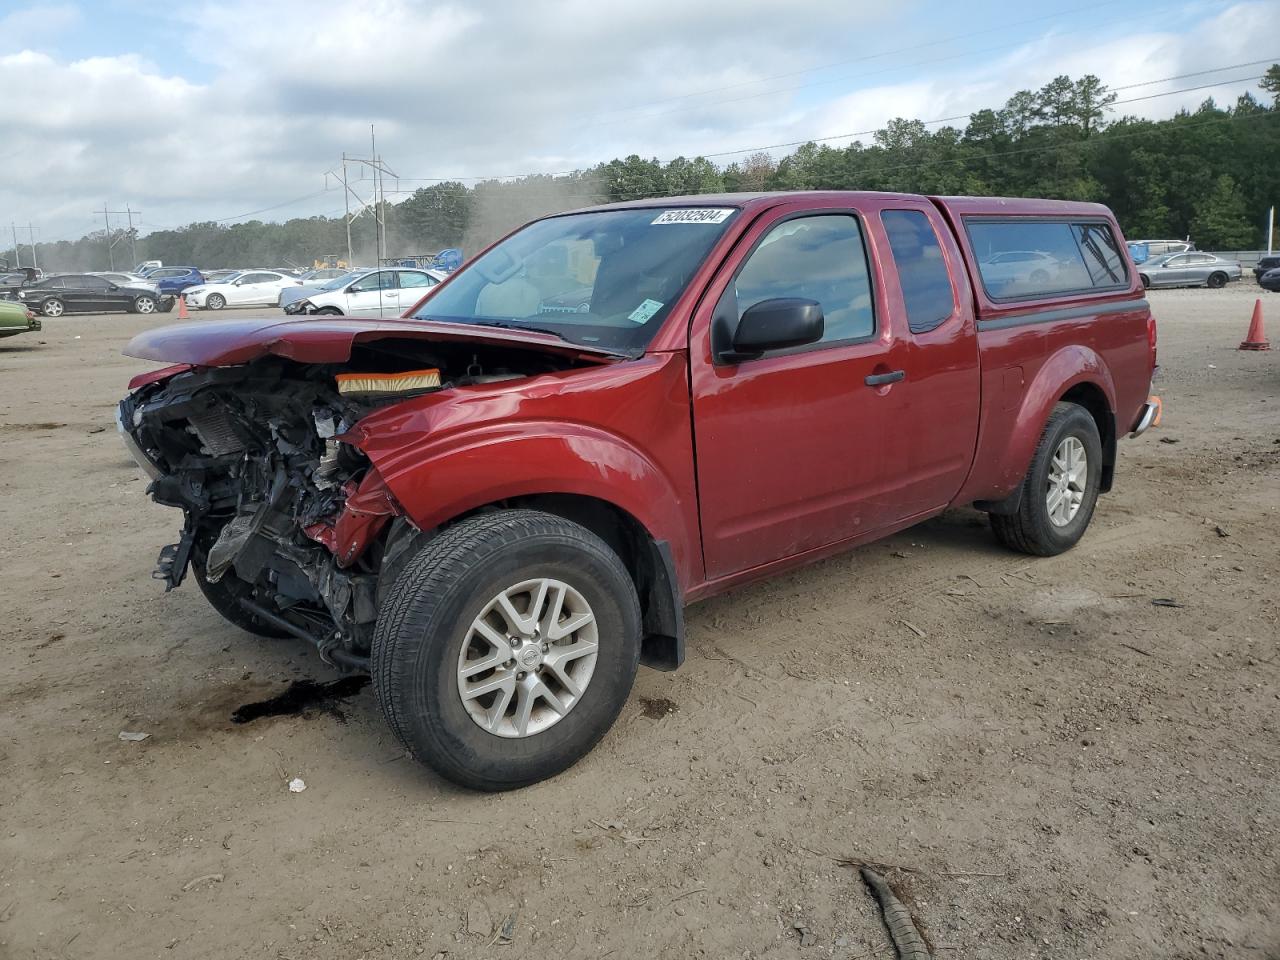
(863, 133)
(859, 76)
(862, 59)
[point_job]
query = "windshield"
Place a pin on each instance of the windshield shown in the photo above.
(605, 279)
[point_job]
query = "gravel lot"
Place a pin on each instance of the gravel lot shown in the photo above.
(1059, 767)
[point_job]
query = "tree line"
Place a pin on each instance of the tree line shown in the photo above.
(1209, 173)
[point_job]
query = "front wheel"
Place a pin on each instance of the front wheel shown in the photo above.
(1217, 281)
(506, 648)
(52, 307)
(1060, 489)
(215, 301)
(1146, 282)
(144, 305)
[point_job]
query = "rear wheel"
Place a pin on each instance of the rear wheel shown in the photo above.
(215, 301)
(144, 305)
(53, 307)
(506, 648)
(1217, 281)
(1061, 487)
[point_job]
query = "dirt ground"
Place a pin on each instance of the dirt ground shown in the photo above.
(1058, 766)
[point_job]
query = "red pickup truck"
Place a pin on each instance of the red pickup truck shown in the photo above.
(499, 504)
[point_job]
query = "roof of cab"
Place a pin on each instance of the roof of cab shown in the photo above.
(747, 200)
(959, 206)
(1019, 207)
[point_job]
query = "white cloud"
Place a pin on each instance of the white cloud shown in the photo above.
(29, 26)
(491, 88)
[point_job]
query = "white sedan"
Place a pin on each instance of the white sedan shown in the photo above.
(247, 288)
(384, 293)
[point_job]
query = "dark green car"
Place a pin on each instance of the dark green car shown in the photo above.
(16, 318)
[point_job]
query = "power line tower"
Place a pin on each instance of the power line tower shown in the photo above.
(131, 234)
(377, 201)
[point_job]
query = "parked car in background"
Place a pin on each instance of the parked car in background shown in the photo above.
(383, 293)
(173, 280)
(16, 318)
(11, 280)
(1189, 270)
(249, 288)
(1012, 267)
(1270, 280)
(146, 266)
(290, 295)
(499, 512)
(323, 274)
(125, 279)
(86, 293)
(217, 276)
(1266, 263)
(1144, 250)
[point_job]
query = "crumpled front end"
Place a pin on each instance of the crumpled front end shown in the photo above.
(289, 528)
(279, 511)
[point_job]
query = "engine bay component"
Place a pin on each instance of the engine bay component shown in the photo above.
(383, 385)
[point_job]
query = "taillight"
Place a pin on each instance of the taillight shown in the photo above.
(1151, 338)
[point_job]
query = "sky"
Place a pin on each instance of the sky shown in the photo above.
(235, 110)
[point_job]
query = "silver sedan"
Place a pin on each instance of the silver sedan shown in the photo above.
(1188, 270)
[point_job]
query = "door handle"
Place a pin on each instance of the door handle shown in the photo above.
(880, 379)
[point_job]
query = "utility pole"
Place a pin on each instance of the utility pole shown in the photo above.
(31, 235)
(346, 202)
(111, 253)
(377, 203)
(17, 254)
(128, 211)
(133, 240)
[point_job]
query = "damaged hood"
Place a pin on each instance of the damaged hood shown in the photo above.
(224, 343)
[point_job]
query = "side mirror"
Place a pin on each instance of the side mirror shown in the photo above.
(113, 287)
(239, 283)
(775, 325)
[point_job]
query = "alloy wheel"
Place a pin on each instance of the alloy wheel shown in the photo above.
(527, 658)
(1068, 475)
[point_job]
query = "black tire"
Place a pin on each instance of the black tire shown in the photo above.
(166, 304)
(215, 301)
(224, 597)
(1146, 282)
(425, 619)
(144, 304)
(328, 312)
(1216, 281)
(53, 307)
(1031, 530)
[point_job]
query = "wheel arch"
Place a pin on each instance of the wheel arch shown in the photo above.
(648, 560)
(1074, 374)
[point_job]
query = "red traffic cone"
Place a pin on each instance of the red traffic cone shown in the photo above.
(1255, 339)
(183, 315)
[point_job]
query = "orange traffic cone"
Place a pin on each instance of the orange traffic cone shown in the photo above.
(1255, 339)
(183, 315)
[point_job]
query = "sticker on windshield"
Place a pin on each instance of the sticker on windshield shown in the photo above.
(691, 215)
(642, 313)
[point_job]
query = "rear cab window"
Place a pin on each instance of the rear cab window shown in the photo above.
(1026, 258)
(922, 269)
